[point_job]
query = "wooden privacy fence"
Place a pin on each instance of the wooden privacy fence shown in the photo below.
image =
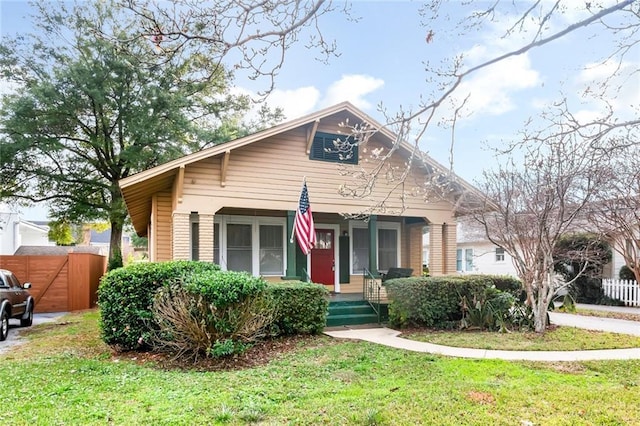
(626, 291)
(59, 283)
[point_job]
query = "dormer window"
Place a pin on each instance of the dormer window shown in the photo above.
(334, 148)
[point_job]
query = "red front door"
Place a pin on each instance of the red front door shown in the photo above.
(323, 258)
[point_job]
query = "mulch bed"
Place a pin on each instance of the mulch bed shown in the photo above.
(260, 354)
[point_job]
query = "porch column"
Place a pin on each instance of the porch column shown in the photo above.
(449, 248)
(180, 236)
(442, 253)
(206, 237)
(436, 253)
(290, 273)
(373, 245)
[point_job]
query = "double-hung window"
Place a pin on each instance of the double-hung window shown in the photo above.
(271, 250)
(499, 254)
(239, 247)
(387, 253)
(252, 244)
(468, 259)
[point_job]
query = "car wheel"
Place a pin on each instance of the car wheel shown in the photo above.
(28, 320)
(4, 325)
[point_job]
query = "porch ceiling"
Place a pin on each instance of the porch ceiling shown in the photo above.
(138, 198)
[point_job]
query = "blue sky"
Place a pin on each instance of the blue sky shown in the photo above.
(382, 61)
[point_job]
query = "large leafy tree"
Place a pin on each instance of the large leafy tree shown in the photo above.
(89, 110)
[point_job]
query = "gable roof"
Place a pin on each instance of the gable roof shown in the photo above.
(140, 187)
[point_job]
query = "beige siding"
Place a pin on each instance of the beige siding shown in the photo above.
(268, 175)
(413, 247)
(163, 227)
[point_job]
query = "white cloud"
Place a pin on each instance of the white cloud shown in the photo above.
(609, 84)
(304, 100)
(490, 91)
(296, 102)
(352, 88)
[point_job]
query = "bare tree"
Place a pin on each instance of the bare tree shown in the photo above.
(617, 211)
(527, 26)
(251, 35)
(531, 203)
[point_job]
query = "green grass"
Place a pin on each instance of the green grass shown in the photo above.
(608, 314)
(558, 339)
(66, 376)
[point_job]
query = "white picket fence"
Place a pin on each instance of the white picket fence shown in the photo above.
(626, 291)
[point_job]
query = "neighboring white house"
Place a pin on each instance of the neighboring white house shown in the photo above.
(475, 254)
(612, 269)
(16, 232)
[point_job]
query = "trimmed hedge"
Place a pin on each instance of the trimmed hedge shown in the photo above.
(434, 301)
(125, 297)
(224, 288)
(504, 283)
(301, 308)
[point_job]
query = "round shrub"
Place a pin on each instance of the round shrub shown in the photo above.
(626, 273)
(125, 297)
(301, 308)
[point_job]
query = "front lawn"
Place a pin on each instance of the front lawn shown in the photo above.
(555, 339)
(66, 376)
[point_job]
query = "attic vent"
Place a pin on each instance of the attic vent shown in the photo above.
(324, 148)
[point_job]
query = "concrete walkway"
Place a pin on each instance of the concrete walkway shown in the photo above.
(388, 337)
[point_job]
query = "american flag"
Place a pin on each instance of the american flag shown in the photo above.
(303, 226)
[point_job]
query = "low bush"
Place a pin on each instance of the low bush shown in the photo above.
(483, 301)
(125, 297)
(213, 313)
(489, 310)
(301, 308)
(432, 301)
(626, 273)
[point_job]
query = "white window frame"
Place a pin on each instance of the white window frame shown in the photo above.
(468, 267)
(380, 225)
(255, 222)
(194, 218)
(503, 255)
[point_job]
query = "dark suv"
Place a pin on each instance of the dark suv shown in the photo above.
(15, 302)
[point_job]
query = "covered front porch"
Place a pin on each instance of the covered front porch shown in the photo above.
(347, 250)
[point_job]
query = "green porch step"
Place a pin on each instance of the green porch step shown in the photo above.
(351, 313)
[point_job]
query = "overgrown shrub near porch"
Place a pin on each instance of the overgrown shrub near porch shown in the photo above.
(301, 308)
(213, 313)
(125, 297)
(442, 302)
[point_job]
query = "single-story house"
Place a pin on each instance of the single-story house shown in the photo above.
(235, 203)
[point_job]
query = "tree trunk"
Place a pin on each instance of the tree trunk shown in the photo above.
(116, 218)
(115, 245)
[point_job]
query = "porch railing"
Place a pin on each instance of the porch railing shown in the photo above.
(305, 276)
(371, 290)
